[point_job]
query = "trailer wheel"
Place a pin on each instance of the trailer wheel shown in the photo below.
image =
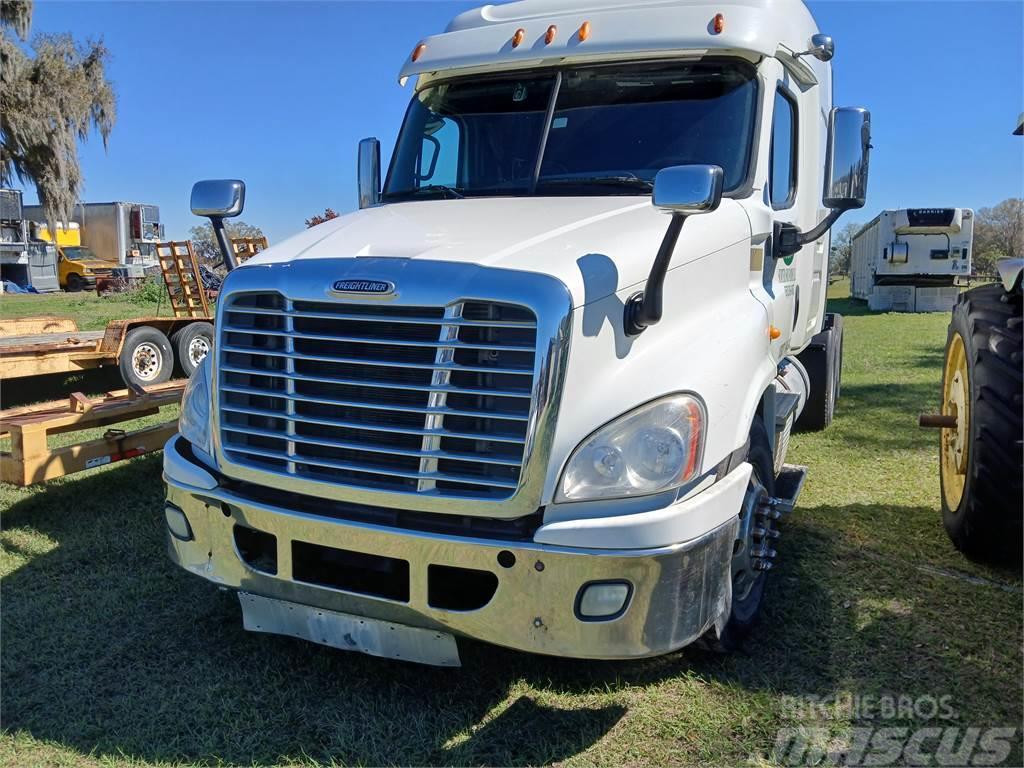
(191, 344)
(757, 533)
(823, 359)
(146, 357)
(980, 459)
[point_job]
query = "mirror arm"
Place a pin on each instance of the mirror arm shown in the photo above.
(644, 307)
(788, 239)
(224, 242)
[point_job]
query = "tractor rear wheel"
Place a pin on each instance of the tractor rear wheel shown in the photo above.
(980, 466)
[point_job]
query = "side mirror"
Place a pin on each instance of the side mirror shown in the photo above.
(369, 172)
(220, 198)
(822, 48)
(846, 161)
(688, 189)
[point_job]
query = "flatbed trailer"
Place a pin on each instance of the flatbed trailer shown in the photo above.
(30, 458)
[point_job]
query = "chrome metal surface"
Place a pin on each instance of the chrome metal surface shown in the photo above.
(688, 189)
(147, 361)
(368, 172)
(678, 591)
(198, 349)
(347, 632)
(846, 167)
(439, 397)
(822, 47)
(221, 198)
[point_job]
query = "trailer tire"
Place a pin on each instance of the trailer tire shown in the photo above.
(982, 490)
(745, 610)
(146, 357)
(191, 345)
(823, 360)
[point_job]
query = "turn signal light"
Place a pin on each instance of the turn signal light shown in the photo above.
(418, 51)
(584, 32)
(549, 36)
(773, 332)
(718, 23)
(517, 37)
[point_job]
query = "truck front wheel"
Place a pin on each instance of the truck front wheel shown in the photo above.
(753, 549)
(74, 283)
(146, 357)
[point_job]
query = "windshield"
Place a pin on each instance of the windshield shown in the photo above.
(79, 253)
(609, 130)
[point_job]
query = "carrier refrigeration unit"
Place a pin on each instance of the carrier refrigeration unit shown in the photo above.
(24, 263)
(909, 260)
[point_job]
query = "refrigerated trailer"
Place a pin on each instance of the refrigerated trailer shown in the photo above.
(120, 232)
(23, 261)
(908, 260)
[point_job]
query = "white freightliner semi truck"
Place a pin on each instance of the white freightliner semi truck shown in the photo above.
(537, 391)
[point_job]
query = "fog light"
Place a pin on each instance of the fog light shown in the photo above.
(602, 600)
(177, 523)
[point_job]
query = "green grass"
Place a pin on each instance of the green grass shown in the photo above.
(91, 312)
(111, 655)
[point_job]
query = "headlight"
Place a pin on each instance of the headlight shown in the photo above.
(653, 448)
(194, 421)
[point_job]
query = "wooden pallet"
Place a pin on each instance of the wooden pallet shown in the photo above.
(247, 247)
(31, 459)
(181, 275)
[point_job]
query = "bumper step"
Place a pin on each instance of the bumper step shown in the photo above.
(788, 485)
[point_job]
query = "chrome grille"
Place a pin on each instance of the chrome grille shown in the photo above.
(429, 400)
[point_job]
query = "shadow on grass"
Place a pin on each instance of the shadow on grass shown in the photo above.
(110, 650)
(849, 307)
(884, 416)
(56, 386)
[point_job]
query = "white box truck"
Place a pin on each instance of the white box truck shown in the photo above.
(908, 260)
(537, 391)
(122, 233)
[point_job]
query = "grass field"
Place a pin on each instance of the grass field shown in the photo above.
(111, 655)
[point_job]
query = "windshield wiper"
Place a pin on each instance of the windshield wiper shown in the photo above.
(444, 188)
(630, 181)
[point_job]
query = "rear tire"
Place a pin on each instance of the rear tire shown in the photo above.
(823, 360)
(146, 357)
(191, 345)
(981, 505)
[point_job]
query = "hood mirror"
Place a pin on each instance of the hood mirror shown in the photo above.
(219, 199)
(681, 190)
(822, 48)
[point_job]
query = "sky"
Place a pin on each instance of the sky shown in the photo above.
(279, 94)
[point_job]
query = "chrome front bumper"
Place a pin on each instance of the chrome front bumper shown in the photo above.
(677, 592)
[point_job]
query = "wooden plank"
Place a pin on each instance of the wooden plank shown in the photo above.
(47, 342)
(31, 326)
(37, 468)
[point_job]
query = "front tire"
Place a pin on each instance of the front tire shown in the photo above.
(748, 581)
(980, 466)
(74, 283)
(146, 357)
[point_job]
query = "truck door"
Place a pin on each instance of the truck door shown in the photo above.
(783, 170)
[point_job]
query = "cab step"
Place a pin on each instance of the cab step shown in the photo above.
(788, 485)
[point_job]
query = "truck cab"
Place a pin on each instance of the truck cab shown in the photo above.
(538, 390)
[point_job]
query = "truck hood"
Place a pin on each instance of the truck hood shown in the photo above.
(595, 245)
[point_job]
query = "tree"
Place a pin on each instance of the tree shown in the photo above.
(329, 213)
(53, 97)
(204, 241)
(998, 234)
(842, 249)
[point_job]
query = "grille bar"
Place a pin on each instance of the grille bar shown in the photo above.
(374, 362)
(424, 400)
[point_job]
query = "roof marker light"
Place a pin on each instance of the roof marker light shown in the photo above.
(549, 36)
(418, 51)
(718, 23)
(517, 38)
(584, 31)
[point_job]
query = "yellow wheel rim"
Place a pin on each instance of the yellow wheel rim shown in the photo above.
(956, 401)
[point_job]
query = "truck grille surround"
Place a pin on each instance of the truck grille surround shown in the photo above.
(426, 400)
